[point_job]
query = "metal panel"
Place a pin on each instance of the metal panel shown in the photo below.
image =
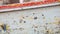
(28, 7)
(32, 21)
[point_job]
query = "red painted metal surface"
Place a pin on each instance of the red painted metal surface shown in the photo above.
(27, 4)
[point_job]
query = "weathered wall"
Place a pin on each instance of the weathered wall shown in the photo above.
(32, 21)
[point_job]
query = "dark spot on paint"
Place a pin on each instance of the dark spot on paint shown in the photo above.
(4, 27)
(42, 14)
(23, 17)
(59, 22)
(47, 31)
(45, 27)
(58, 32)
(14, 21)
(24, 21)
(20, 21)
(34, 30)
(35, 17)
(26, 16)
(21, 29)
(46, 23)
(33, 13)
(32, 27)
(36, 26)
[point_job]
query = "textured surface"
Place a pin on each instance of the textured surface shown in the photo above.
(32, 21)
